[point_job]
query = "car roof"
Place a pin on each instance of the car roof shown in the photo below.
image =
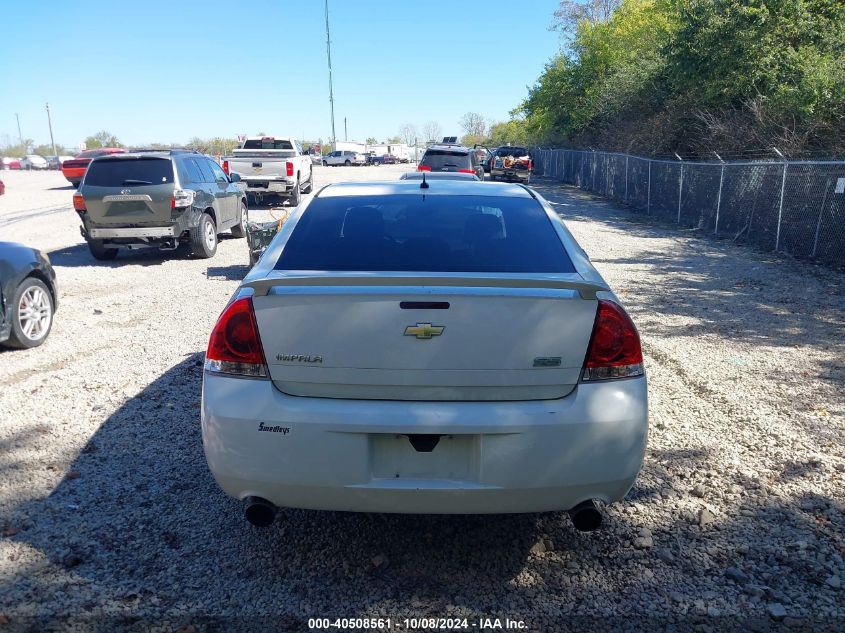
(451, 148)
(440, 187)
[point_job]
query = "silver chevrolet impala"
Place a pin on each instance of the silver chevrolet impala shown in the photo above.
(425, 347)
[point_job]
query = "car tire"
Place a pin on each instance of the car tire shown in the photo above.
(30, 329)
(309, 187)
(295, 196)
(204, 237)
(100, 252)
(347, 163)
(325, 164)
(239, 230)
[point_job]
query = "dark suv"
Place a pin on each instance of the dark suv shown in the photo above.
(158, 198)
(451, 157)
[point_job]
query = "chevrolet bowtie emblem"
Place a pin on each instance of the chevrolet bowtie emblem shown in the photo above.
(424, 330)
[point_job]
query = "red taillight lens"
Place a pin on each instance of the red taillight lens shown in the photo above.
(466, 171)
(530, 165)
(226, 167)
(289, 166)
(79, 203)
(423, 168)
(614, 350)
(234, 346)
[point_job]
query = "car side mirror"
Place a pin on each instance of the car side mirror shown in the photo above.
(234, 177)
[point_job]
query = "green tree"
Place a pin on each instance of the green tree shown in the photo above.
(17, 149)
(371, 141)
(47, 150)
(102, 138)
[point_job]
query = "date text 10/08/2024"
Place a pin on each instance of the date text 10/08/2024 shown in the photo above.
(417, 624)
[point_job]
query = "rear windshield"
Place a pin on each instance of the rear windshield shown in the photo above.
(137, 172)
(267, 143)
(516, 152)
(418, 233)
(446, 160)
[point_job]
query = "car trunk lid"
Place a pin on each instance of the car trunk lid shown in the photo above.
(425, 337)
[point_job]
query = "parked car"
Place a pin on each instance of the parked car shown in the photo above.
(55, 162)
(158, 199)
(272, 165)
(451, 157)
(74, 168)
(344, 157)
(511, 163)
(34, 161)
(437, 175)
(446, 350)
(2, 188)
(7, 162)
(28, 296)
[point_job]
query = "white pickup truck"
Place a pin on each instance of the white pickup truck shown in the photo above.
(272, 165)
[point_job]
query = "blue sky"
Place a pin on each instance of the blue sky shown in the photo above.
(166, 71)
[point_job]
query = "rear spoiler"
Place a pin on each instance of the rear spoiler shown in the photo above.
(587, 289)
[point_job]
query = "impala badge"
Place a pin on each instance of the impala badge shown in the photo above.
(424, 330)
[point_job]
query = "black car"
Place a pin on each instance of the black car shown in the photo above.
(158, 199)
(451, 157)
(28, 296)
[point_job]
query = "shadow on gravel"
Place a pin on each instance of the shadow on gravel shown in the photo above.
(79, 256)
(138, 527)
(236, 272)
(67, 187)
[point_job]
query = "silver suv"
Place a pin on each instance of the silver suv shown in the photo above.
(158, 199)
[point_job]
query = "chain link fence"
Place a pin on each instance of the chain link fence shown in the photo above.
(794, 207)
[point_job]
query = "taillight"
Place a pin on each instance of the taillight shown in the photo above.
(289, 166)
(182, 198)
(235, 347)
(466, 171)
(226, 167)
(614, 350)
(79, 203)
(530, 165)
(423, 168)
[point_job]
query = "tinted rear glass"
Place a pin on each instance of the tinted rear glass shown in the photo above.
(135, 172)
(446, 160)
(516, 152)
(419, 233)
(267, 144)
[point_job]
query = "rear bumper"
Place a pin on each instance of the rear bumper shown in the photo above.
(492, 457)
(512, 174)
(137, 232)
(258, 185)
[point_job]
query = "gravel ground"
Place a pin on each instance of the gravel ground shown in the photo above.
(108, 513)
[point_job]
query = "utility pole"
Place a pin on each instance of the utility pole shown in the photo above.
(329, 53)
(20, 136)
(50, 125)
(345, 133)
